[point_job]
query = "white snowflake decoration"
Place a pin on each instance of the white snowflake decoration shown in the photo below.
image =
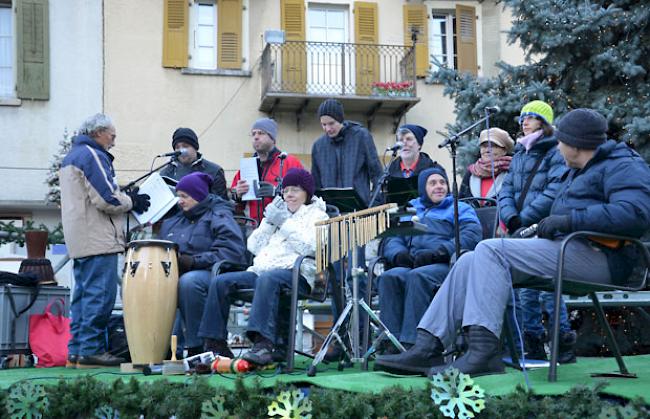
(290, 405)
(456, 394)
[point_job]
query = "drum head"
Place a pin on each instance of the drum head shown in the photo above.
(166, 244)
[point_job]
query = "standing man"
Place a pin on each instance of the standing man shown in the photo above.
(345, 156)
(93, 210)
(264, 133)
(190, 160)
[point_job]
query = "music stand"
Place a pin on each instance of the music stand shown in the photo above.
(401, 190)
(345, 199)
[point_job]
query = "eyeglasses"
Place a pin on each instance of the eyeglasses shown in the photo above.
(255, 133)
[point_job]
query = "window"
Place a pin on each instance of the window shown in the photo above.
(7, 59)
(442, 39)
(203, 34)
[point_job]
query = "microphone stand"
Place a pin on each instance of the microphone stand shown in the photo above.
(452, 143)
(382, 179)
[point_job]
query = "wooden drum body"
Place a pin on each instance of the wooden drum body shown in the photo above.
(149, 298)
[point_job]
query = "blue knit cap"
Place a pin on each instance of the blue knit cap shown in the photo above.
(418, 131)
(422, 181)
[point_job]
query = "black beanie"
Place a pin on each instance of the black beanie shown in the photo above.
(333, 108)
(185, 135)
(582, 128)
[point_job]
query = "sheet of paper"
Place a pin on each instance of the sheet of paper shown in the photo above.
(162, 199)
(248, 172)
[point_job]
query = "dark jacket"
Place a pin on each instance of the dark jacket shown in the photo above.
(440, 221)
(543, 188)
(611, 194)
(348, 160)
(424, 162)
(208, 232)
(176, 171)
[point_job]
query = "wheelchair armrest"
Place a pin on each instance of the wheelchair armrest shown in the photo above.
(227, 266)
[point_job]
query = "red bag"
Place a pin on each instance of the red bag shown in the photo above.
(49, 335)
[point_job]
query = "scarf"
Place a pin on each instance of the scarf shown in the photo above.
(529, 140)
(483, 168)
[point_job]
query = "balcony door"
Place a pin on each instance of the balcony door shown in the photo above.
(328, 59)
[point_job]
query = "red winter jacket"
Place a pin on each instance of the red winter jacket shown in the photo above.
(268, 171)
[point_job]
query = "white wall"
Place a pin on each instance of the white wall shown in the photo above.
(31, 132)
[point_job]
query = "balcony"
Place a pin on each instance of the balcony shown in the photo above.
(367, 79)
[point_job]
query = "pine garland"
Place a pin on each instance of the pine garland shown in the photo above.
(10, 233)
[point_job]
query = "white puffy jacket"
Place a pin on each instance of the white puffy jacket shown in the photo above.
(278, 248)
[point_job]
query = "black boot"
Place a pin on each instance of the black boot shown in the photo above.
(566, 348)
(426, 353)
(261, 353)
(219, 347)
(482, 357)
(534, 346)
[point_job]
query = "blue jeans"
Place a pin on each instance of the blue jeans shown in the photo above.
(93, 299)
(531, 309)
(404, 296)
(192, 294)
(265, 315)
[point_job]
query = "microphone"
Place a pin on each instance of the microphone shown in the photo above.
(397, 146)
(283, 155)
(528, 232)
(181, 152)
(492, 109)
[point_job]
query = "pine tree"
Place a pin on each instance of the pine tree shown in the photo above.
(54, 193)
(579, 53)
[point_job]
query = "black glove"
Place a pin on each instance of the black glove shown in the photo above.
(403, 259)
(514, 224)
(550, 226)
(185, 262)
(429, 257)
(140, 201)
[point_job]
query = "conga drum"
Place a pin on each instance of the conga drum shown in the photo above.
(149, 297)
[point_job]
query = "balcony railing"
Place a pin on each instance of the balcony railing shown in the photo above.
(338, 69)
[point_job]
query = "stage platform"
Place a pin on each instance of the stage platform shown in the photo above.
(355, 380)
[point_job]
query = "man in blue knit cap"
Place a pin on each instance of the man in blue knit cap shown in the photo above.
(412, 160)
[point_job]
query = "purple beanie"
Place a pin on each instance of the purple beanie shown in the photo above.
(302, 178)
(196, 185)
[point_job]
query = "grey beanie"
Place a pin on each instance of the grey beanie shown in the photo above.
(267, 125)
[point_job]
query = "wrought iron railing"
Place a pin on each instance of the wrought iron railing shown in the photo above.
(333, 69)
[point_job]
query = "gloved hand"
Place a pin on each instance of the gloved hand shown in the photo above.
(550, 226)
(517, 233)
(141, 202)
(403, 259)
(429, 257)
(514, 224)
(185, 262)
(276, 212)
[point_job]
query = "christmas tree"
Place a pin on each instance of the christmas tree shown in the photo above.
(579, 53)
(54, 193)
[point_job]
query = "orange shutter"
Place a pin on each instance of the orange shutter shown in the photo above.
(415, 17)
(230, 33)
(466, 39)
(294, 55)
(175, 29)
(366, 35)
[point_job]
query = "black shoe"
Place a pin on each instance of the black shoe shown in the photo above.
(194, 350)
(566, 348)
(482, 357)
(260, 354)
(219, 347)
(386, 347)
(426, 353)
(99, 361)
(534, 346)
(279, 353)
(71, 362)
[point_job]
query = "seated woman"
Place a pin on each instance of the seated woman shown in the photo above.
(496, 148)
(286, 232)
(420, 263)
(206, 233)
(411, 160)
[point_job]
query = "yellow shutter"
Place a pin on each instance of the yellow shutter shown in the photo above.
(366, 36)
(175, 29)
(466, 39)
(230, 33)
(415, 16)
(294, 55)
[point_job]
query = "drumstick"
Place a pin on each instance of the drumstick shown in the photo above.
(174, 343)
